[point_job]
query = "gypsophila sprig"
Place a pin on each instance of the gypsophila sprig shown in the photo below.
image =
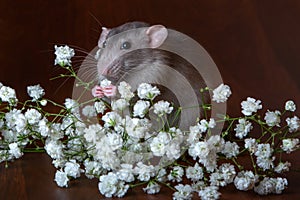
(63, 55)
(35, 92)
(221, 93)
(118, 143)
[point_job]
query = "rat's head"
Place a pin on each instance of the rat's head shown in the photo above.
(114, 43)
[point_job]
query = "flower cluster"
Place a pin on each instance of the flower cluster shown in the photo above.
(63, 55)
(123, 149)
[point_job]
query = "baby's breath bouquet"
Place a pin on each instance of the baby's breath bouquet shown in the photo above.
(123, 150)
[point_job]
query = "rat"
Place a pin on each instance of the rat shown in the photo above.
(136, 55)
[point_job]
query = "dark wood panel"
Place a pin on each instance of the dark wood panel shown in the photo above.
(255, 45)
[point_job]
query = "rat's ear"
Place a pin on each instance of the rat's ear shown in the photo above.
(157, 35)
(103, 36)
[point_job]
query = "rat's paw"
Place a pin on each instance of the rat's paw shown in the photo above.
(110, 91)
(97, 91)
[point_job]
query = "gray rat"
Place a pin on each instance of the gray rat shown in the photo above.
(127, 55)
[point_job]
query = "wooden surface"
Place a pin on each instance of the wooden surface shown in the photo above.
(31, 178)
(255, 45)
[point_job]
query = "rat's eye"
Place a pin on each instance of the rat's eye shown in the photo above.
(104, 44)
(126, 45)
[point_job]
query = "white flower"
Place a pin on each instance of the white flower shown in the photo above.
(245, 180)
(33, 116)
(66, 125)
(204, 125)
(136, 128)
(209, 192)
(199, 185)
(265, 163)
(59, 163)
(63, 55)
(147, 91)
(122, 189)
(9, 135)
(290, 144)
(43, 128)
(92, 169)
(125, 91)
(242, 128)
(119, 105)
(100, 106)
(126, 173)
(35, 92)
(141, 108)
(79, 127)
(106, 155)
(8, 94)
(152, 188)
(216, 179)
(173, 150)
(61, 178)
(264, 150)
(158, 146)
(264, 158)
(114, 140)
(54, 148)
(108, 184)
(195, 134)
(184, 192)
(11, 117)
(176, 174)
(55, 131)
(251, 145)
(281, 184)
(282, 167)
(290, 106)
(250, 106)
(105, 83)
(93, 133)
(20, 122)
(72, 105)
(221, 93)
(228, 172)
(15, 150)
(111, 119)
(89, 111)
(271, 185)
(199, 149)
(209, 162)
(293, 123)
(194, 173)
(216, 143)
(162, 107)
(273, 118)
(231, 149)
(72, 169)
(161, 175)
(144, 172)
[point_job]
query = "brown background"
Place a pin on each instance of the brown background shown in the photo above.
(255, 44)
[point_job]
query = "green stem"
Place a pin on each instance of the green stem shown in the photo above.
(137, 184)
